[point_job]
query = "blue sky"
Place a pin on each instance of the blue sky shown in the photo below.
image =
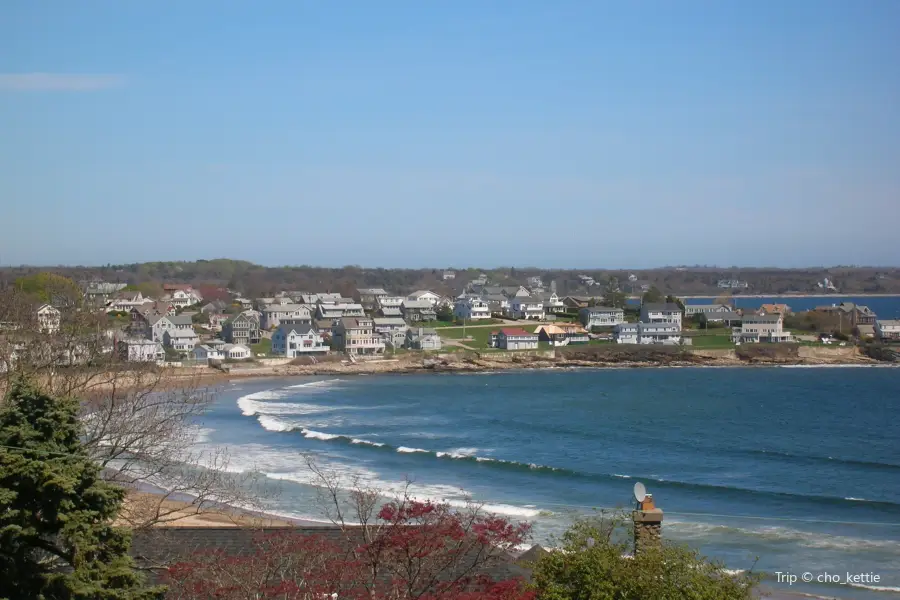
(407, 134)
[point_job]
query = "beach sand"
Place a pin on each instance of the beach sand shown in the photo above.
(142, 506)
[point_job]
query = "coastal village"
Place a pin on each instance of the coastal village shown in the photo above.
(182, 328)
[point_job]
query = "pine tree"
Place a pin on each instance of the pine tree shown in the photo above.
(57, 541)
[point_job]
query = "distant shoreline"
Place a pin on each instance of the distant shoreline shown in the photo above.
(847, 295)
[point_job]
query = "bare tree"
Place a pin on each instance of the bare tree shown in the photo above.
(140, 421)
(399, 549)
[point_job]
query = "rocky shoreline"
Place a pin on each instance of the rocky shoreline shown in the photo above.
(569, 358)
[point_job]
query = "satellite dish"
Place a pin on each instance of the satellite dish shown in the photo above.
(640, 492)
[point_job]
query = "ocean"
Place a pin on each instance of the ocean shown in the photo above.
(886, 307)
(796, 467)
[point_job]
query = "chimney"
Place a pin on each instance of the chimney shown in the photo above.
(647, 525)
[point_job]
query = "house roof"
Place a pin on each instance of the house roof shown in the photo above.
(389, 321)
(181, 320)
(272, 308)
(762, 318)
(372, 291)
(324, 324)
(420, 304)
(888, 322)
(775, 308)
(300, 329)
(353, 322)
(603, 309)
(391, 311)
(662, 306)
(514, 332)
(182, 333)
(721, 315)
(229, 347)
(420, 293)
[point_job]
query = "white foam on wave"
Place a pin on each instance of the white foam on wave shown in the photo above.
(248, 403)
(460, 453)
(274, 423)
(621, 476)
(366, 442)
(318, 435)
(405, 449)
(824, 541)
(315, 384)
(874, 588)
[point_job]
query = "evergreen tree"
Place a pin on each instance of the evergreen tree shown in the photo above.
(57, 541)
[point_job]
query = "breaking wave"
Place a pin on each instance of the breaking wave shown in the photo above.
(278, 425)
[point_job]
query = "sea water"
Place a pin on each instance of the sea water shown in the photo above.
(783, 470)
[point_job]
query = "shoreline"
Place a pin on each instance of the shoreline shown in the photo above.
(840, 295)
(596, 357)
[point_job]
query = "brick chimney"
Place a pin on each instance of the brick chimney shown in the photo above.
(647, 525)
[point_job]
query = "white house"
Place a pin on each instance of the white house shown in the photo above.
(668, 312)
(647, 333)
(125, 301)
(185, 297)
(273, 315)
(209, 352)
(426, 296)
(390, 301)
(181, 340)
(761, 328)
(48, 319)
(297, 340)
(448, 274)
(887, 329)
(471, 309)
(526, 307)
(236, 352)
(552, 302)
(140, 350)
(392, 330)
(421, 338)
(161, 324)
(355, 335)
(601, 316)
(327, 310)
(695, 309)
(514, 339)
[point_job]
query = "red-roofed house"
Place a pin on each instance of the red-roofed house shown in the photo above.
(514, 339)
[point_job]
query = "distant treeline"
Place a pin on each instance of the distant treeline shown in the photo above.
(257, 280)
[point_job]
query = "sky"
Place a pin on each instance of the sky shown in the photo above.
(466, 133)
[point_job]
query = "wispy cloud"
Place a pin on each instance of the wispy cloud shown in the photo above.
(58, 82)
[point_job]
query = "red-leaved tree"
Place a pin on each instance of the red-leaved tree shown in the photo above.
(404, 550)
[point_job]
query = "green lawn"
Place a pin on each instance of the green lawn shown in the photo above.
(711, 341)
(441, 324)
(481, 336)
(263, 347)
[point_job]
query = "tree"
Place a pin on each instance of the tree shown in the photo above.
(139, 422)
(50, 288)
(675, 300)
(653, 295)
(444, 313)
(56, 512)
(399, 550)
(594, 565)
